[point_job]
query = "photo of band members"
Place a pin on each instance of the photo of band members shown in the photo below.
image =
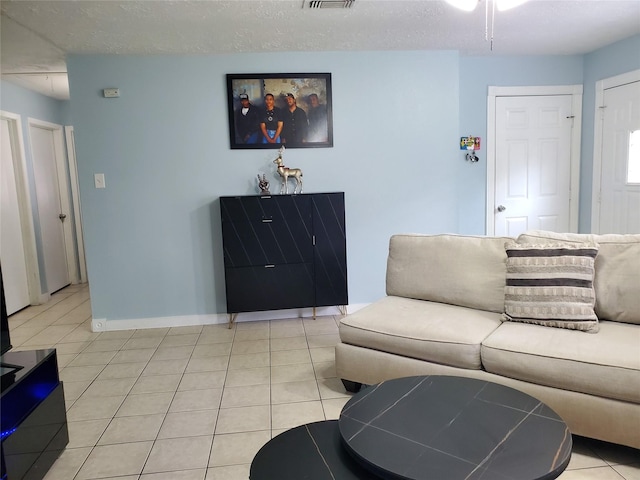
(267, 111)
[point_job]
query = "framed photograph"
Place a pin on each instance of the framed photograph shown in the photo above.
(270, 110)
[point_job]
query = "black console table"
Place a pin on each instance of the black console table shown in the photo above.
(33, 414)
(284, 251)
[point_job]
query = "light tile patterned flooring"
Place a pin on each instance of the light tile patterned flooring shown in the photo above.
(197, 403)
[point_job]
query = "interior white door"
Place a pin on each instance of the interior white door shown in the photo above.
(75, 196)
(620, 167)
(533, 163)
(12, 251)
(49, 207)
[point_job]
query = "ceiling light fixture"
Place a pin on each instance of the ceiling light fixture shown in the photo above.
(501, 5)
(330, 3)
(466, 5)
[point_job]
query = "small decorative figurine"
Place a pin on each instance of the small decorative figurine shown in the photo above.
(286, 172)
(263, 183)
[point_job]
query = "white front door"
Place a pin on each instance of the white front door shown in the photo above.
(12, 251)
(533, 164)
(620, 165)
(49, 206)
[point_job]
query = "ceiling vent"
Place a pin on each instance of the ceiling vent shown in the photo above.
(331, 3)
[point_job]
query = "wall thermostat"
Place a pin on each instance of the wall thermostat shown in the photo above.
(111, 92)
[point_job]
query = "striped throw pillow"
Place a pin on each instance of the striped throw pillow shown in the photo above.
(551, 285)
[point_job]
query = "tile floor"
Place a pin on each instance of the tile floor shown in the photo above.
(197, 403)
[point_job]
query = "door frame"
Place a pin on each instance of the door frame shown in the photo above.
(576, 107)
(75, 199)
(63, 190)
(598, 125)
(24, 206)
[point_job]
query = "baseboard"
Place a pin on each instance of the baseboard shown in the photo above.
(106, 325)
(42, 299)
(354, 307)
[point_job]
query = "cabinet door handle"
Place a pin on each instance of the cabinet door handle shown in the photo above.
(267, 220)
(269, 266)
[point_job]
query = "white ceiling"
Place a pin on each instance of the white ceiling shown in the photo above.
(36, 35)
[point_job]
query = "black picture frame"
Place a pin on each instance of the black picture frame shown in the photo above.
(313, 128)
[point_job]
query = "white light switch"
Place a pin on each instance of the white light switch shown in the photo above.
(98, 179)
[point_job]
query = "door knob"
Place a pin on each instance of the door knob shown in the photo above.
(501, 208)
(62, 216)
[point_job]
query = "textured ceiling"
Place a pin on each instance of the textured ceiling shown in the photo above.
(36, 35)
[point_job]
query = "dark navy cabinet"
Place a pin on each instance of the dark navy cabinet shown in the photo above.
(33, 414)
(284, 251)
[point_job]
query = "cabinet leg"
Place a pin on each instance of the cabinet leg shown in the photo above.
(314, 313)
(232, 318)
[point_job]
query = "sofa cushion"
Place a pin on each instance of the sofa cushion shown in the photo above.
(459, 270)
(435, 332)
(617, 267)
(551, 285)
(606, 364)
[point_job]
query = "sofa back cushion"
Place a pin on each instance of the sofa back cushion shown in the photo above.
(468, 271)
(617, 271)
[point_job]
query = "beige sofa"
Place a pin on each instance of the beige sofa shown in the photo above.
(443, 316)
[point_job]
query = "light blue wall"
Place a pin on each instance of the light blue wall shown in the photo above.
(621, 57)
(28, 104)
(153, 235)
(476, 75)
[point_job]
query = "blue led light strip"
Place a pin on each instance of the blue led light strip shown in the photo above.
(6, 433)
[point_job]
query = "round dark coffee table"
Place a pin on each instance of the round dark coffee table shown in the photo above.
(440, 427)
(313, 452)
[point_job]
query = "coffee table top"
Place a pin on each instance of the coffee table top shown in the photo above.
(440, 427)
(313, 452)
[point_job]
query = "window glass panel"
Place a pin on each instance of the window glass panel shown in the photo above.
(633, 164)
